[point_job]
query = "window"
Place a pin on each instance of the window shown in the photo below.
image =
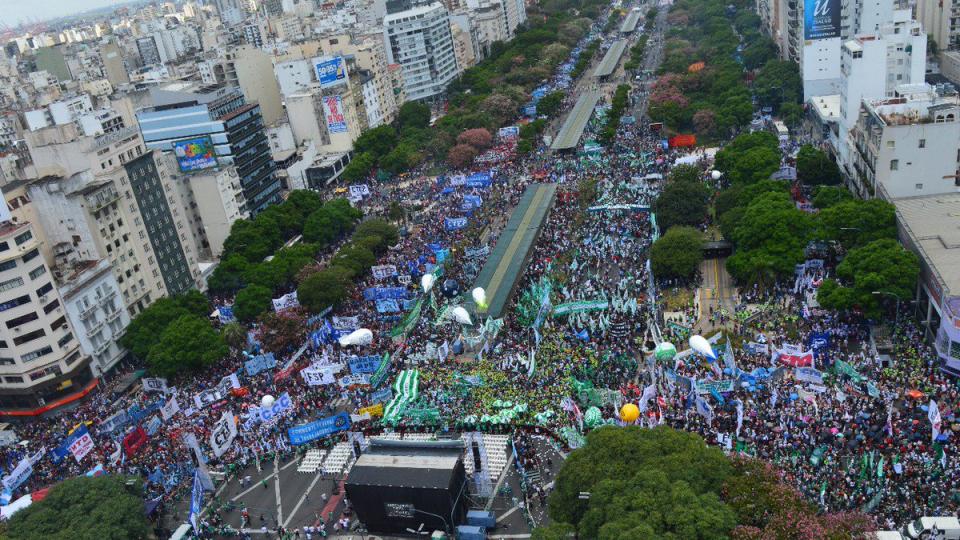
(58, 323)
(10, 284)
(858, 54)
(4, 246)
(8, 265)
(894, 164)
(51, 306)
(21, 238)
(922, 143)
(19, 301)
(3, 344)
(31, 255)
(29, 336)
(37, 272)
(919, 186)
(23, 319)
(13, 379)
(64, 340)
(891, 144)
(36, 354)
(45, 289)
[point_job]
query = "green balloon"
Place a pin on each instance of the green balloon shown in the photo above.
(665, 352)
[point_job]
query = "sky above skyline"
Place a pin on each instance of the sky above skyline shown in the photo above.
(12, 12)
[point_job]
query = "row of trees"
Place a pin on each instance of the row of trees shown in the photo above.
(703, 85)
(485, 96)
(680, 208)
(617, 107)
(637, 53)
(664, 483)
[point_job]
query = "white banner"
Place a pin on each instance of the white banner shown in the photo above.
(154, 385)
(81, 447)
(227, 383)
(345, 323)
(360, 190)
(318, 375)
(383, 271)
(207, 397)
(170, 409)
(444, 350)
(223, 434)
(286, 301)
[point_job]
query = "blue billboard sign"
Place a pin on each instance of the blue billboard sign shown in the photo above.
(821, 19)
(195, 154)
(331, 71)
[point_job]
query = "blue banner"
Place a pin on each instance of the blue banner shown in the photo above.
(479, 180)
(383, 395)
(226, 314)
(196, 502)
(260, 363)
(154, 425)
(137, 414)
(454, 224)
(364, 364)
(819, 342)
(319, 428)
(380, 293)
(442, 255)
(387, 305)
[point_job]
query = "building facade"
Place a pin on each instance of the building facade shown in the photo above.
(419, 39)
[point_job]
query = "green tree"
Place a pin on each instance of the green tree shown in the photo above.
(637, 479)
(677, 254)
(252, 301)
(731, 158)
(770, 238)
(777, 82)
(882, 266)
(252, 240)
(413, 114)
(326, 288)
(682, 203)
(188, 344)
(815, 168)
(359, 167)
(855, 222)
(141, 334)
(108, 507)
(827, 196)
(379, 141)
(550, 104)
(385, 233)
(235, 335)
(355, 258)
(228, 275)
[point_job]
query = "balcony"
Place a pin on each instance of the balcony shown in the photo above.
(102, 348)
(86, 313)
(95, 329)
(112, 316)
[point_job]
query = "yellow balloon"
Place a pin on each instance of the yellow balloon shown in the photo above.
(629, 413)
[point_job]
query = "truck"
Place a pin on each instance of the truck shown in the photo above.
(947, 527)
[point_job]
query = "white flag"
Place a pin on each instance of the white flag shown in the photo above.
(934, 416)
(154, 385)
(649, 393)
(170, 408)
(224, 431)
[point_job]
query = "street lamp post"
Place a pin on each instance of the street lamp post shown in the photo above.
(896, 296)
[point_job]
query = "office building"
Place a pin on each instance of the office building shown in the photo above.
(419, 39)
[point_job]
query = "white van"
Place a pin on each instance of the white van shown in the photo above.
(948, 527)
(885, 535)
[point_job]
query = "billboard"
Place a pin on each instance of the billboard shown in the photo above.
(821, 19)
(331, 71)
(333, 111)
(195, 154)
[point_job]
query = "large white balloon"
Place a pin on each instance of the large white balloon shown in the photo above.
(427, 282)
(461, 316)
(715, 175)
(702, 346)
(267, 401)
(480, 297)
(360, 337)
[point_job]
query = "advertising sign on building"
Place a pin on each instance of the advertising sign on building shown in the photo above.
(333, 111)
(821, 19)
(331, 71)
(195, 154)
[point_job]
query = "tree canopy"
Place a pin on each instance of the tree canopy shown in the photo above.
(142, 332)
(682, 202)
(677, 254)
(882, 266)
(749, 158)
(770, 236)
(187, 344)
(856, 222)
(84, 508)
(815, 167)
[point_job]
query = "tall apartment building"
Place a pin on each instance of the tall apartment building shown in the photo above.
(151, 52)
(419, 39)
(234, 127)
(941, 20)
(907, 145)
(873, 66)
(40, 358)
(85, 201)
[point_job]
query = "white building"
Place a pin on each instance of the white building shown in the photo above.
(907, 145)
(90, 293)
(40, 358)
(873, 66)
(419, 39)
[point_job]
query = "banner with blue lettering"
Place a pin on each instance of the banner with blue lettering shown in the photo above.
(154, 425)
(364, 364)
(454, 224)
(319, 428)
(387, 305)
(226, 314)
(260, 363)
(479, 180)
(137, 414)
(442, 255)
(383, 395)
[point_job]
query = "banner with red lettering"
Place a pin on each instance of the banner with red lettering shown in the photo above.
(794, 356)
